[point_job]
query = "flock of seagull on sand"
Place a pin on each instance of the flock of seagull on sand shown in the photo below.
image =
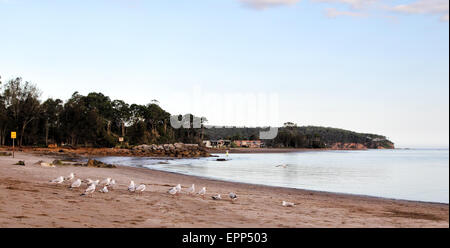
(109, 183)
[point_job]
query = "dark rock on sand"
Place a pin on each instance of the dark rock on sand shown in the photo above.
(5, 154)
(98, 164)
(20, 162)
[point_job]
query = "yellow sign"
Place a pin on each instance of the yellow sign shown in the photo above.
(13, 135)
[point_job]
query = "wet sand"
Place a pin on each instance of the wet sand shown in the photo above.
(27, 199)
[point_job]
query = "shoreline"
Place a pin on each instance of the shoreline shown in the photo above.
(120, 152)
(257, 206)
(289, 188)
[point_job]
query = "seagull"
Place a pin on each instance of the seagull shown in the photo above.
(173, 191)
(202, 192)
(232, 196)
(282, 165)
(89, 190)
(88, 181)
(111, 183)
(191, 190)
(287, 204)
(76, 184)
(106, 181)
(58, 180)
(141, 188)
(70, 177)
(132, 187)
(104, 190)
(178, 187)
(216, 197)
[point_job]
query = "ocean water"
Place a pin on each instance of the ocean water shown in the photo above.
(409, 174)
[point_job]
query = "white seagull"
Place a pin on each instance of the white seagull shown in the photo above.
(216, 197)
(132, 187)
(191, 190)
(70, 177)
(232, 196)
(282, 165)
(111, 183)
(90, 189)
(173, 191)
(287, 204)
(58, 180)
(202, 192)
(178, 187)
(88, 181)
(141, 188)
(104, 190)
(106, 181)
(76, 184)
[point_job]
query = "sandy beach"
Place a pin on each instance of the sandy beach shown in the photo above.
(27, 199)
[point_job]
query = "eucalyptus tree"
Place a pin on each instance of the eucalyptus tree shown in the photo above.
(121, 114)
(51, 111)
(22, 104)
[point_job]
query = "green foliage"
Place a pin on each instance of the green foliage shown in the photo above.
(93, 120)
(291, 135)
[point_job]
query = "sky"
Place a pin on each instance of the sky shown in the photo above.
(375, 66)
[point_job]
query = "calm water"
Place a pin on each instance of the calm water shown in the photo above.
(416, 174)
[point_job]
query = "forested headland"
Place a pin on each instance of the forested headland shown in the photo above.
(291, 135)
(96, 120)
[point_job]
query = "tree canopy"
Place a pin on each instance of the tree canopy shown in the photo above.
(93, 120)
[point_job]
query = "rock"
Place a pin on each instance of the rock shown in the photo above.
(98, 164)
(178, 150)
(179, 145)
(5, 154)
(221, 159)
(57, 162)
(44, 164)
(20, 162)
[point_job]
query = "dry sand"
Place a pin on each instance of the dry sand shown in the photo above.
(27, 199)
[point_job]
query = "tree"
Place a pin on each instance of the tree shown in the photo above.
(121, 114)
(22, 103)
(51, 111)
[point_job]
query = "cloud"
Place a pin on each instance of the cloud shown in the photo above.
(355, 4)
(433, 7)
(264, 4)
(333, 13)
(364, 8)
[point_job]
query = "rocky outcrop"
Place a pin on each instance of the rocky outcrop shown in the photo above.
(348, 146)
(98, 164)
(358, 146)
(178, 150)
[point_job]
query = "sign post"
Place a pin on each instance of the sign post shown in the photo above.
(13, 137)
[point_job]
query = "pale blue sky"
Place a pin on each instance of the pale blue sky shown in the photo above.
(365, 65)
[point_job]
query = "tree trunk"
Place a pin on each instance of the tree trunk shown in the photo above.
(109, 127)
(46, 133)
(123, 129)
(21, 135)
